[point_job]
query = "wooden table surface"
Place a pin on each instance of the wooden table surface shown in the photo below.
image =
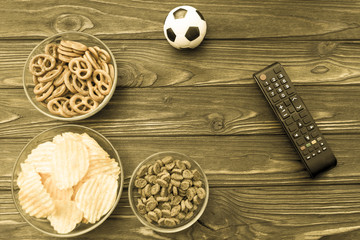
(205, 103)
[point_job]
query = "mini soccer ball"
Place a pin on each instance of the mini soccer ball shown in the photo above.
(184, 27)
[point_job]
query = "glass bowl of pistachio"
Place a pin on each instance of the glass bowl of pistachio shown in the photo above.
(168, 192)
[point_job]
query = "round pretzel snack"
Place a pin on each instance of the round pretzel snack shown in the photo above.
(45, 95)
(81, 67)
(70, 78)
(55, 106)
(103, 81)
(41, 63)
(40, 88)
(51, 75)
(80, 86)
(94, 91)
(51, 49)
(82, 104)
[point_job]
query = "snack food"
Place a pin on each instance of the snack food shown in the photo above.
(62, 180)
(70, 70)
(169, 191)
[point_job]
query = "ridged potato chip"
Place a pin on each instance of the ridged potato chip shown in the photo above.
(70, 180)
(95, 150)
(55, 192)
(65, 217)
(33, 197)
(103, 166)
(70, 161)
(41, 157)
(96, 196)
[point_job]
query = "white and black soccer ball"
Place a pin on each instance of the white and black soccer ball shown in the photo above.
(184, 27)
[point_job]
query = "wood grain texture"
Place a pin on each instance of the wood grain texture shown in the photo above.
(228, 161)
(277, 212)
(204, 103)
(230, 19)
(154, 63)
(189, 111)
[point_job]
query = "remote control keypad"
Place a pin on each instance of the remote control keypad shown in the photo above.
(296, 119)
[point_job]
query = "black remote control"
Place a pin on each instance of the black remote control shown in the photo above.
(298, 123)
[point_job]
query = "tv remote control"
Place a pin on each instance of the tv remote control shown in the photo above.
(295, 118)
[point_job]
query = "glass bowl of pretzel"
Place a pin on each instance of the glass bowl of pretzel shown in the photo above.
(168, 192)
(70, 76)
(83, 190)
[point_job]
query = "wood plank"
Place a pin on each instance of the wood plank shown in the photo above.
(277, 212)
(156, 64)
(226, 19)
(228, 161)
(189, 111)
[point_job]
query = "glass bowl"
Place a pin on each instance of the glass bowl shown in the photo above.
(81, 37)
(134, 195)
(43, 225)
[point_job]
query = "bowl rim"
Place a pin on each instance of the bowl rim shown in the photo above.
(170, 229)
(80, 117)
(104, 217)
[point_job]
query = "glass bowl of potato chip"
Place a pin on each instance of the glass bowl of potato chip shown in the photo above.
(168, 192)
(70, 76)
(67, 181)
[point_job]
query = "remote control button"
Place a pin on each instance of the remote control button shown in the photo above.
(300, 124)
(321, 144)
(292, 127)
(276, 85)
(308, 157)
(269, 88)
(283, 81)
(319, 139)
(295, 117)
(324, 148)
(282, 95)
(313, 154)
(303, 130)
(308, 145)
(289, 121)
(307, 137)
(319, 151)
(275, 99)
(262, 77)
(303, 114)
(290, 91)
(310, 127)
(314, 134)
(296, 135)
(280, 75)
(313, 142)
(307, 120)
(287, 102)
(291, 109)
(302, 148)
(297, 103)
(273, 79)
(266, 83)
(272, 93)
(279, 90)
(300, 141)
(286, 86)
(277, 69)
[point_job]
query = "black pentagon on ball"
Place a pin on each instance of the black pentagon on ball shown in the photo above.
(200, 15)
(192, 33)
(170, 34)
(180, 13)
